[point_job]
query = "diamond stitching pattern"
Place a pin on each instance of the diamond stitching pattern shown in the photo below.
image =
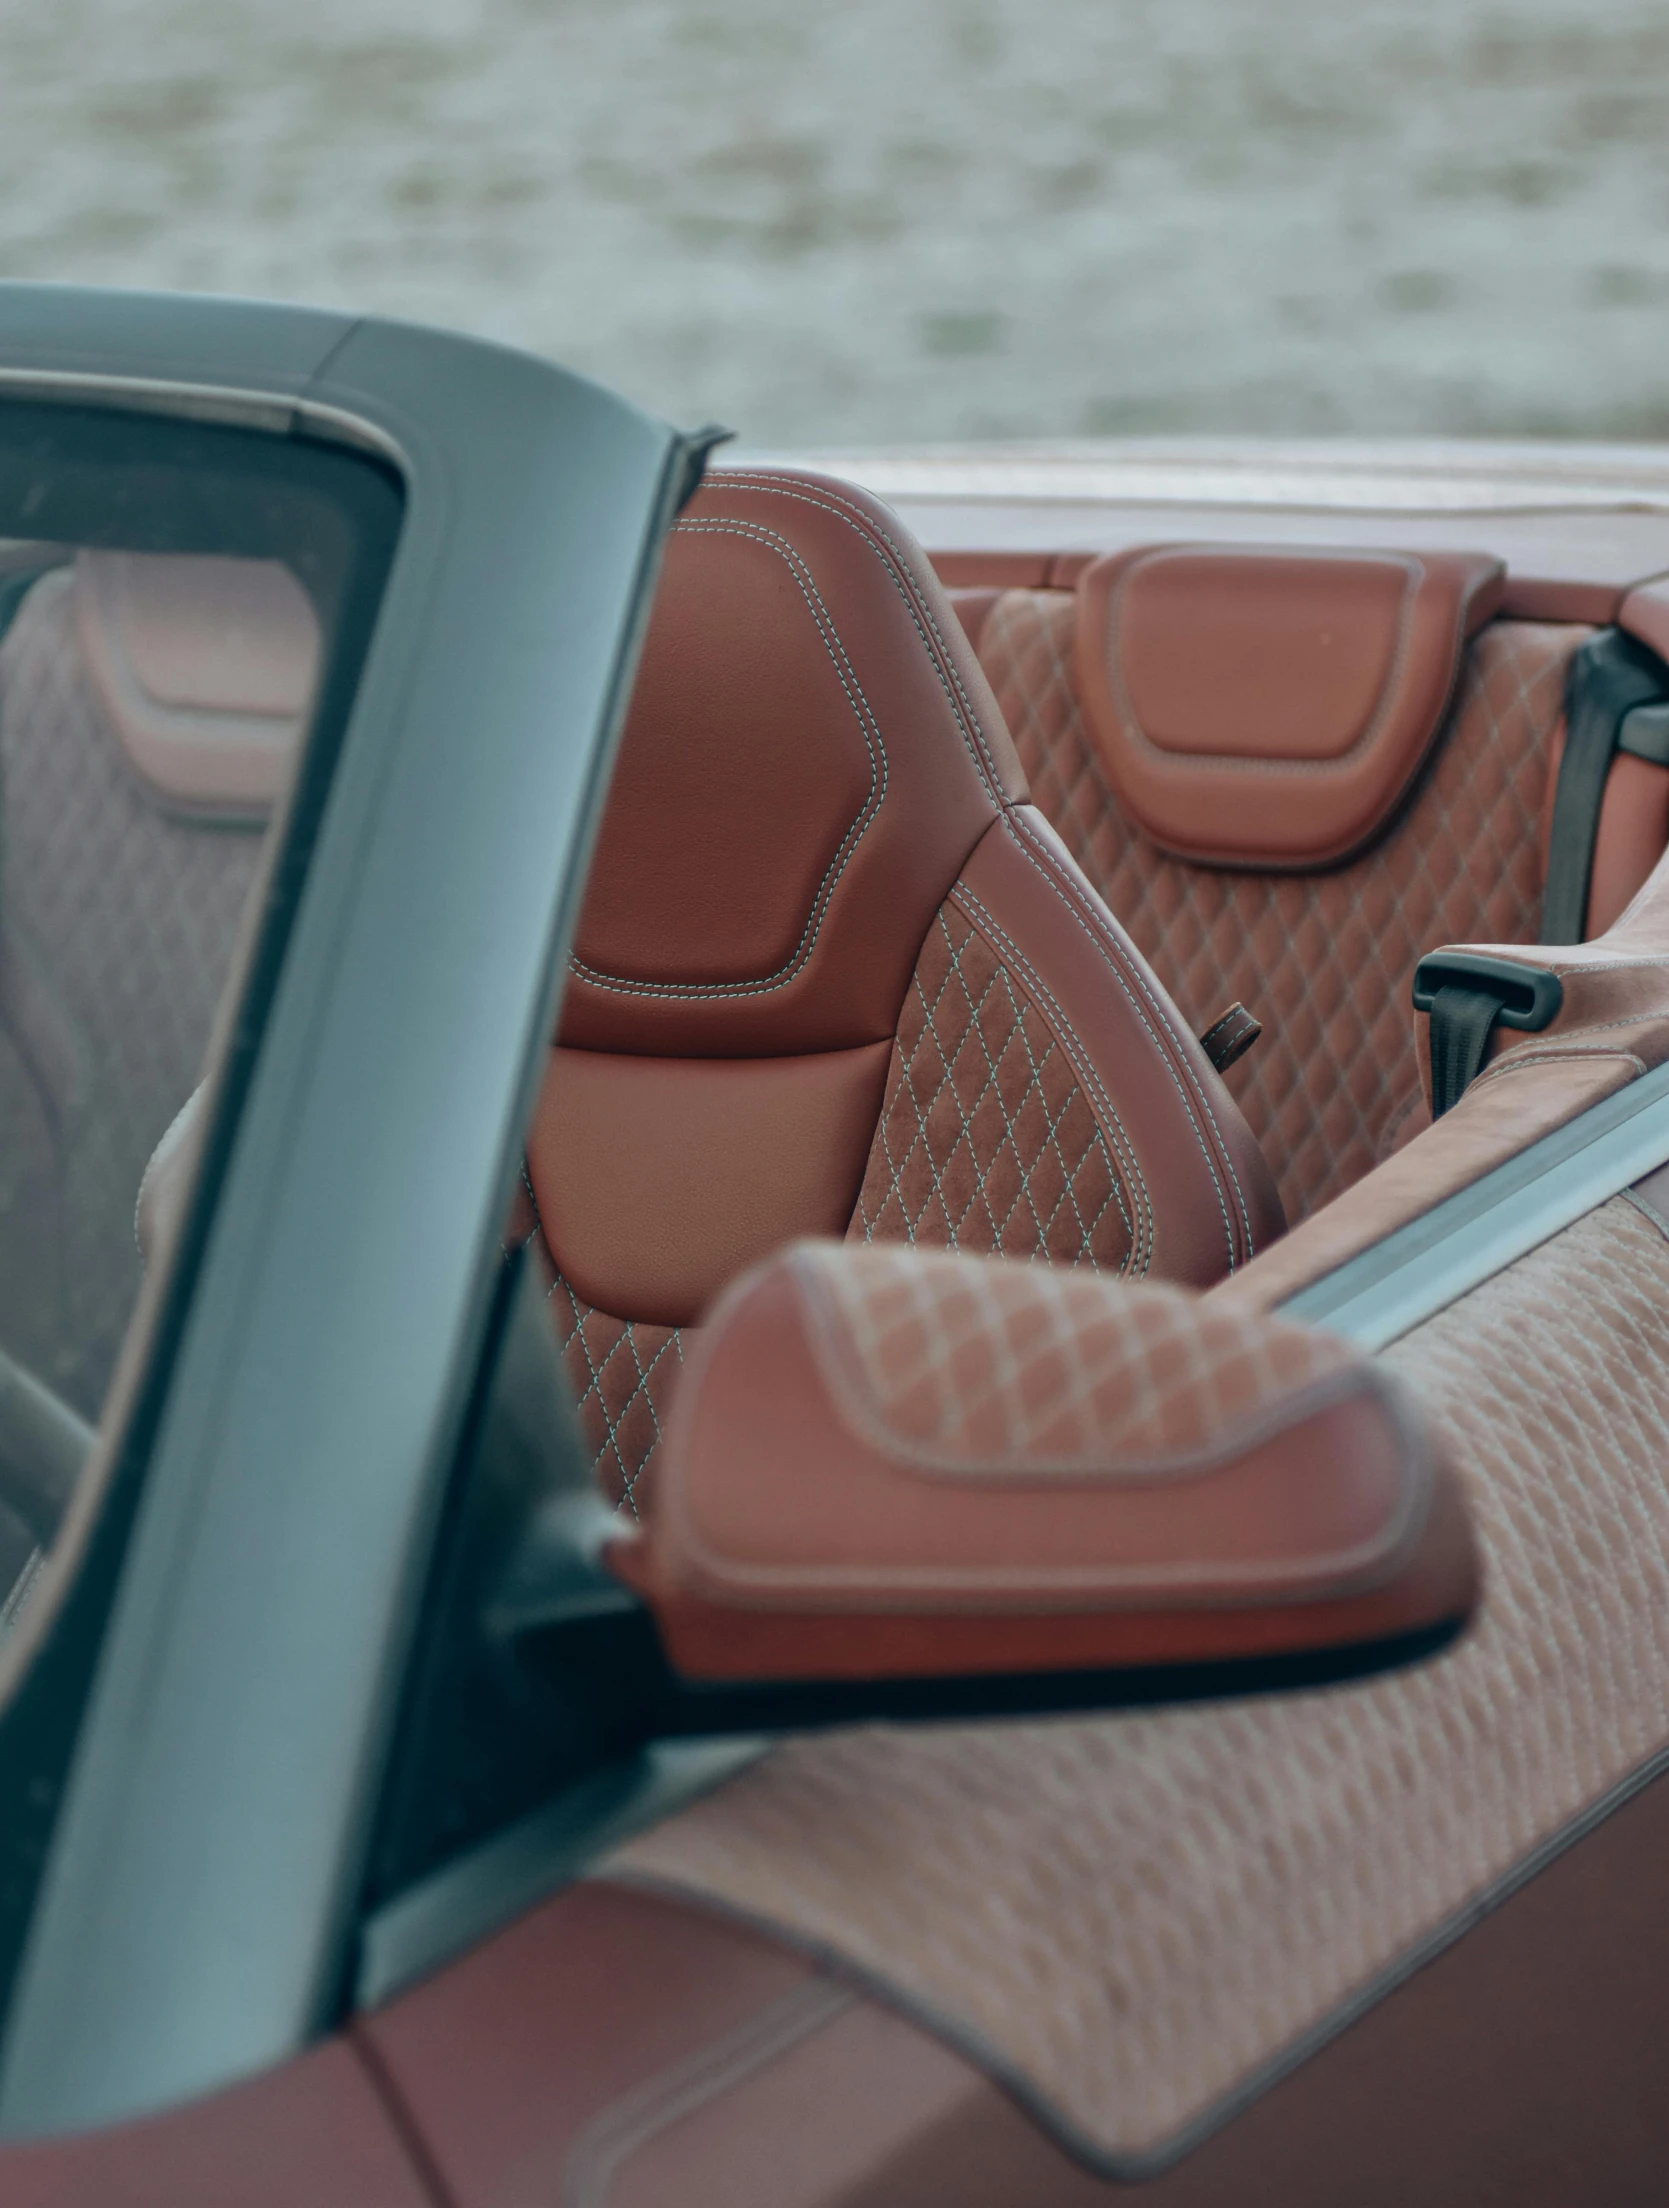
(1145, 1911)
(987, 1141)
(1325, 960)
(124, 916)
(622, 1372)
(999, 1364)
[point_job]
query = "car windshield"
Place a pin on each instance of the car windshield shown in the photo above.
(180, 605)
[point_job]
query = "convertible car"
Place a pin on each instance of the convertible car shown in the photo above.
(834, 1301)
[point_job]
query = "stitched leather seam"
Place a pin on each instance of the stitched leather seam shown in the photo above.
(827, 1325)
(1230, 1023)
(1138, 974)
(645, 1373)
(991, 1087)
(1003, 946)
(1532, 1056)
(1647, 1210)
(741, 1580)
(1117, 962)
(1068, 1192)
(709, 992)
(1577, 970)
(855, 519)
(1575, 1034)
(1644, 961)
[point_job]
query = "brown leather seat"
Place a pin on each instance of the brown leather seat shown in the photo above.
(1292, 771)
(835, 974)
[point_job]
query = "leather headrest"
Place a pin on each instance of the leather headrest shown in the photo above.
(1270, 707)
(204, 668)
(810, 754)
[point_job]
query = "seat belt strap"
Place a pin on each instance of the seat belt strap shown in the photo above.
(1609, 676)
(1461, 1023)
(1464, 994)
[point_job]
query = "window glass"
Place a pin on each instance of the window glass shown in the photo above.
(182, 611)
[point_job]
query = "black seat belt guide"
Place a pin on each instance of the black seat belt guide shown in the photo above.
(1609, 677)
(1466, 994)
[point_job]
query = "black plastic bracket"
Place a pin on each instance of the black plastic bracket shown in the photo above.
(1611, 677)
(1530, 996)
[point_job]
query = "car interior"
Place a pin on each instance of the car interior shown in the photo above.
(1178, 912)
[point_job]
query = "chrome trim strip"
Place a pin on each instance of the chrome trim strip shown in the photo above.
(1425, 1266)
(224, 404)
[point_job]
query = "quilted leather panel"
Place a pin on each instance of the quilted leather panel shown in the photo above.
(1010, 1364)
(622, 1373)
(1325, 961)
(1140, 1917)
(987, 1141)
(117, 927)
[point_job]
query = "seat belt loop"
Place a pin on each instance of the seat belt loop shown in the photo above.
(1464, 995)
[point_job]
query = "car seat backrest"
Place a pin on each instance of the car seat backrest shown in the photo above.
(834, 974)
(1292, 775)
(150, 705)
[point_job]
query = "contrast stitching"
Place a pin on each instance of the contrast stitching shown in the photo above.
(1284, 1411)
(1053, 1121)
(594, 1390)
(1005, 947)
(1090, 919)
(1139, 974)
(1532, 1056)
(1043, 860)
(1643, 961)
(1228, 1023)
(867, 530)
(688, 991)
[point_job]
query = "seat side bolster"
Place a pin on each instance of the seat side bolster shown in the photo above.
(1200, 1175)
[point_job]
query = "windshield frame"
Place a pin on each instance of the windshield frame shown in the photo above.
(331, 1286)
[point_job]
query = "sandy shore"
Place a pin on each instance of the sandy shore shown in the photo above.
(902, 219)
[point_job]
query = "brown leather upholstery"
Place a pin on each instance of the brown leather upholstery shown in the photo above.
(1142, 1920)
(1324, 960)
(893, 1462)
(810, 755)
(1522, 2067)
(1615, 995)
(815, 789)
(1269, 707)
(1612, 1027)
(204, 669)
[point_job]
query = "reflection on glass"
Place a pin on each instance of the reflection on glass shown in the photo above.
(191, 607)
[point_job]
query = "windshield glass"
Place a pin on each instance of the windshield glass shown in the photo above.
(181, 605)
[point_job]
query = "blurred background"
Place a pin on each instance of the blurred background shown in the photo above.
(890, 221)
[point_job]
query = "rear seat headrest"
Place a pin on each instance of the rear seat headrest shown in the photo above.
(1269, 707)
(205, 669)
(810, 754)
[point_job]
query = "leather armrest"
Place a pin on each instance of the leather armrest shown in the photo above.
(885, 1462)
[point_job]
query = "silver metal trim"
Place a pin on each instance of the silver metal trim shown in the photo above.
(223, 404)
(1425, 1266)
